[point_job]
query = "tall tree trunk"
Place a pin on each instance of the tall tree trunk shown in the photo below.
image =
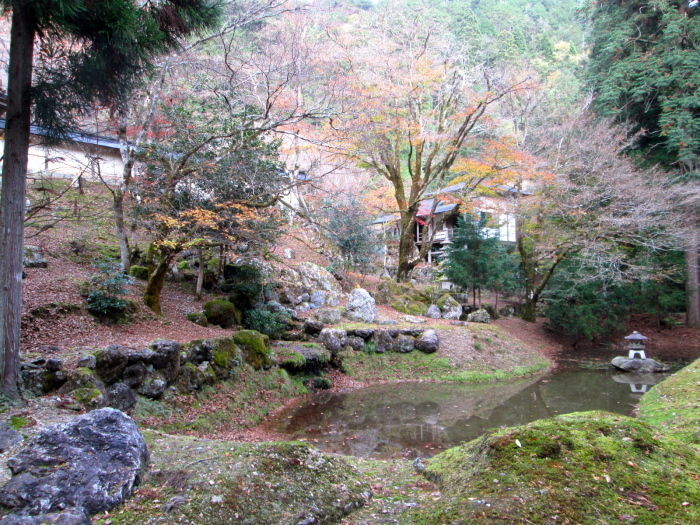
(692, 312)
(127, 154)
(12, 208)
(120, 228)
(200, 275)
(407, 248)
(156, 280)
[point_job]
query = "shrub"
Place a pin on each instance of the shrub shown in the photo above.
(269, 323)
(104, 291)
(139, 272)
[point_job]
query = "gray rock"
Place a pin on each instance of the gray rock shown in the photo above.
(93, 462)
(38, 381)
(87, 361)
(275, 306)
(449, 307)
(121, 397)
(315, 277)
(54, 365)
(643, 366)
(459, 323)
(111, 362)
(134, 375)
(8, 437)
(334, 340)
(312, 327)
(66, 517)
(33, 258)
(413, 332)
(317, 300)
(429, 342)
(385, 322)
(304, 307)
(361, 307)
(154, 386)
(405, 344)
(167, 359)
(356, 343)
(384, 341)
(411, 319)
(433, 312)
(364, 333)
(480, 316)
(329, 316)
(86, 388)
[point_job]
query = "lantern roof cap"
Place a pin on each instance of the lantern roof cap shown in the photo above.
(636, 336)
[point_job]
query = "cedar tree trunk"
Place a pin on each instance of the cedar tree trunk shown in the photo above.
(12, 208)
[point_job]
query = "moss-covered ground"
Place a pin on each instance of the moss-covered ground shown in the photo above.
(585, 468)
(674, 405)
(217, 482)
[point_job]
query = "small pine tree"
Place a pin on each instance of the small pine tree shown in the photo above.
(476, 259)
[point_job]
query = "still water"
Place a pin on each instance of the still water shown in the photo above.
(408, 419)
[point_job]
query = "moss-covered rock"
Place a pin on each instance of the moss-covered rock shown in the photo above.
(255, 346)
(222, 313)
(139, 272)
(87, 389)
(197, 318)
(416, 308)
(293, 362)
(587, 468)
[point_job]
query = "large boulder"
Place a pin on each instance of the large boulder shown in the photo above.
(449, 307)
(429, 342)
(480, 316)
(65, 517)
(255, 347)
(642, 366)
(221, 313)
(329, 316)
(87, 389)
(334, 340)
(361, 306)
(43, 376)
(92, 463)
(434, 312)
(313, 277)
(111, 362)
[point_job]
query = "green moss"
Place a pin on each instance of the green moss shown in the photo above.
(674, 405)
(183, 265)
(416, 308)
(139, 272)
(322, 383)
(255, 346)
(445, 301)
(19, 422)
(222, 313)
(226, 353)
(584, 468)
(291, 361)
(197, 318)
(86, 395)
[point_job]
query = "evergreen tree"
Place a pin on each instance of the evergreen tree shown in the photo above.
(476, 259)
(91, 52)
(645, 69)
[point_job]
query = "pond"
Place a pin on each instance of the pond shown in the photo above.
(422, 419)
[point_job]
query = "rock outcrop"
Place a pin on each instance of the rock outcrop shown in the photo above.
(642, 366)
(361, 306)
(90, 464)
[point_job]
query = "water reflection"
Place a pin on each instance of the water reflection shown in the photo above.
(425, 418)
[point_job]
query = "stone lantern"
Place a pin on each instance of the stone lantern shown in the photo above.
(636, 345)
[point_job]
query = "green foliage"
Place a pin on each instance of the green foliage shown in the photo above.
(350, 230)
(475, 259)
(139, 272)
(645, 68)
(269, 323)
(105, 290)
(245, 284)
(579, 305)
